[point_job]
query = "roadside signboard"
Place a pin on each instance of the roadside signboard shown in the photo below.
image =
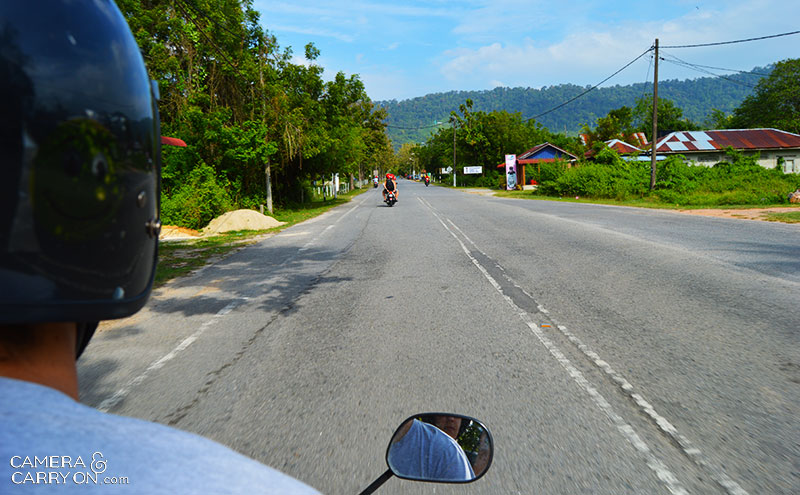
(446, 170)
(511, 172)
(473, 170)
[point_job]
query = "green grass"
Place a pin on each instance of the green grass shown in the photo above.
(645, 202)
(788, 217)
(177, 258)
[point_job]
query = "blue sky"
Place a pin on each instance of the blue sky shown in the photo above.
(407, 48)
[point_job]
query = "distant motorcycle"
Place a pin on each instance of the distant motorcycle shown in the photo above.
(390, 198)
(427, 181)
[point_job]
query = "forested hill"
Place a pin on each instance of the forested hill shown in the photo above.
(696, 97)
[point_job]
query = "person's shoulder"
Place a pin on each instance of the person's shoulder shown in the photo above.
(151, 457)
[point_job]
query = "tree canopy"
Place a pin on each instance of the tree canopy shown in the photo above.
(240, 103)
(775, 101)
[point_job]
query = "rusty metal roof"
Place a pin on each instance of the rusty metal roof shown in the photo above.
(740, 139)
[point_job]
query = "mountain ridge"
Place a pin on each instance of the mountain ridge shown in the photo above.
(413, 119)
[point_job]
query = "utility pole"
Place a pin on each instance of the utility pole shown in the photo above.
(268, 166)
(454, 150)
(655, 122)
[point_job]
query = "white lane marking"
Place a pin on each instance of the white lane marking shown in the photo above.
(716, 473)
(663, 424)
(307, 245)
(657, 466)
(351, 209)
(115, 399)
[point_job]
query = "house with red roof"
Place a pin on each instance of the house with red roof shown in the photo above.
(773, 147)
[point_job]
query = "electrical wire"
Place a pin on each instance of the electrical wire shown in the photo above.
(415, 128)
(732, 42)
(687, 65)
(760, 74)
(647, 77)
(592, 88)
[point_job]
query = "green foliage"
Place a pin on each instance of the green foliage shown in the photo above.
(197, 201)
(775, 102)
(483, 139)
(618, 124)
(670, 117)
(234, 96)
(695, 97)
(739, 180)
(609, 176)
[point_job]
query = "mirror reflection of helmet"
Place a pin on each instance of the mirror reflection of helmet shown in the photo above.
(79, 136)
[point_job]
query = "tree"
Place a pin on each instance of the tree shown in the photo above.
(718, 119)
(776, 101)
(618, 124)
(670, 117)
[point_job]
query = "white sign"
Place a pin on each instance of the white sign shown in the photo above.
(447, 170)
(473, 170)
(511, 172)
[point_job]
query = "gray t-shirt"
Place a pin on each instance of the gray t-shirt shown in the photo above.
(428, 453)
(50, 443)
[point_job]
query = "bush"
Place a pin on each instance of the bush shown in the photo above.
(608, 177)
(197, 201)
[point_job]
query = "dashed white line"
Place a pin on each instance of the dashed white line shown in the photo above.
(656, 465)
(115, 399)
(695, 454)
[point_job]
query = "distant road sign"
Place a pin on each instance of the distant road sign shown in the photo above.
(473, 170)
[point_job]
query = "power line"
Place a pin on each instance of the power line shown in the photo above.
(729, 70)
(592, 88)
(647, 77)
(697, 68)
(734, 41)
(415, 128)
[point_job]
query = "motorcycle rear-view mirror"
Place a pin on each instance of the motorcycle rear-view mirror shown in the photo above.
(438, 447)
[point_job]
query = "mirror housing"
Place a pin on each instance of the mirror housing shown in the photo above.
(440, 447)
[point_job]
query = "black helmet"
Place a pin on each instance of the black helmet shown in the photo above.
(80, 154)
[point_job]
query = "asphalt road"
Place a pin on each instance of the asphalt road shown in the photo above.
(609, 350)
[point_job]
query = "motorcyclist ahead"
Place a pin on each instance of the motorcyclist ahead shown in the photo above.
(390, 185)
(79, 225)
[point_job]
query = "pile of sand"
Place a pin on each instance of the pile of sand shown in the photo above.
(240, 220)
(174, 232)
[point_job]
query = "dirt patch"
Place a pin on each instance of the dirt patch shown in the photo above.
(743, 214)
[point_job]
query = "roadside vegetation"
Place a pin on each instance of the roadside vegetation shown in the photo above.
(738, 181)
(787, 217)
(479, 138)
(247, 109)
(179, 257)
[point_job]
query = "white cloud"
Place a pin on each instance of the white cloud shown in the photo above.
(393, 46)
(588, 56)
(325, 33)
